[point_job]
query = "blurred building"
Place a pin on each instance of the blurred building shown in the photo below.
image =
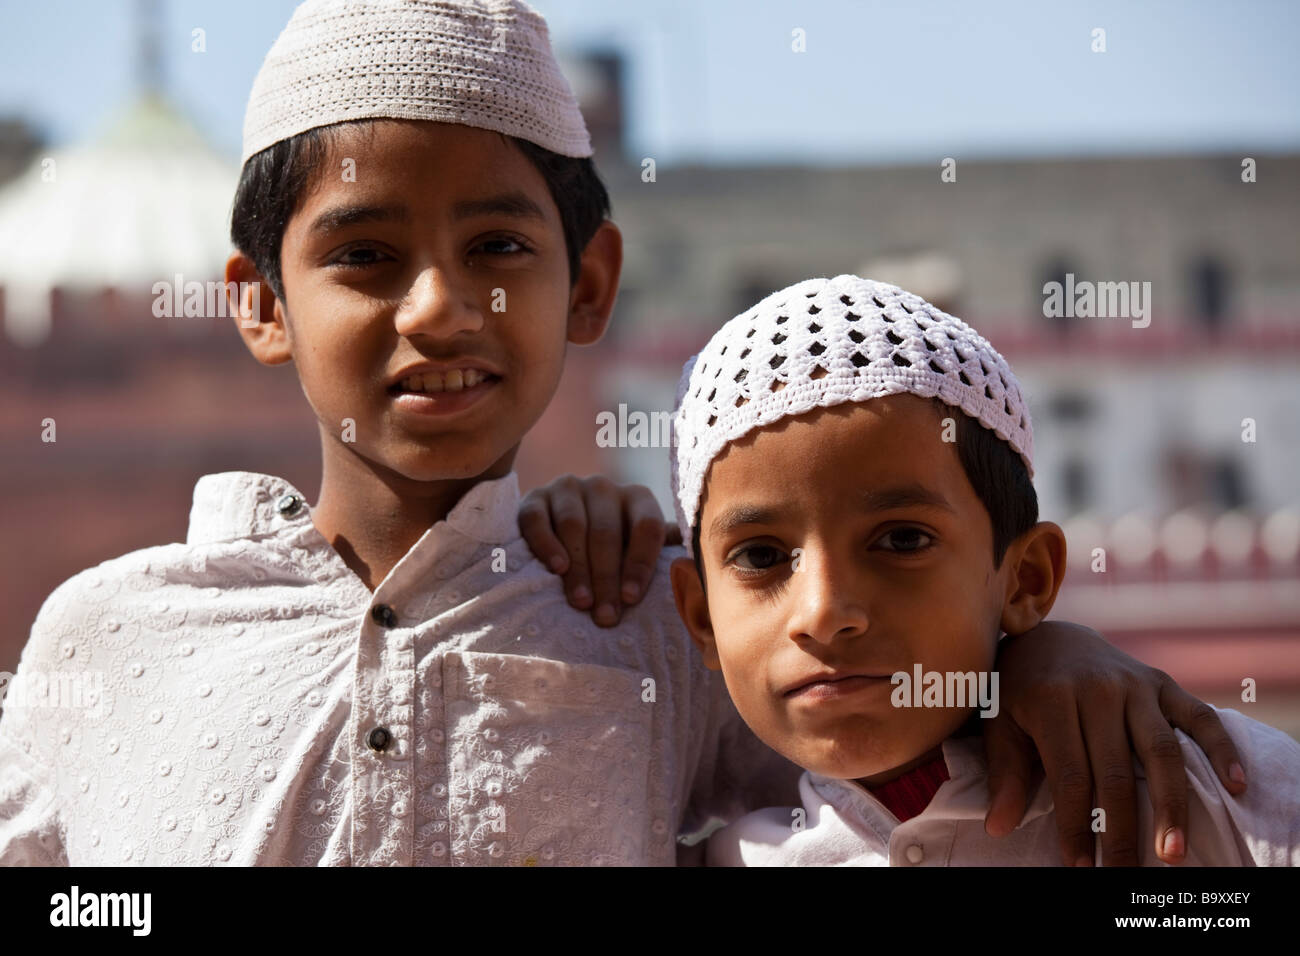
(1139, 431)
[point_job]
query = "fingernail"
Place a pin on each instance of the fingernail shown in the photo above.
(605, 613)
(1083, 861)
(556, 564)
(1173, 845)
(630, 591)
(1236, 774)
(581, 595)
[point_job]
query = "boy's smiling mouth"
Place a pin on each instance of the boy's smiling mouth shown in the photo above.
(431, 389)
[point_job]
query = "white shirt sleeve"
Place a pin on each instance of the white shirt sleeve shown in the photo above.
(1264, 821)
(736, 772)
(31, 829)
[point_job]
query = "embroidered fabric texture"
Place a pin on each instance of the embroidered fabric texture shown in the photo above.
(487, 64)
(243, 672)
(849, 826)
(823, 342)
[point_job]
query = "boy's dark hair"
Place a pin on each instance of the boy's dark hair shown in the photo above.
(996, 472)
(274, 181)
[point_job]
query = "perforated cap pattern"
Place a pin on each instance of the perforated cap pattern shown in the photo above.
(823, 342)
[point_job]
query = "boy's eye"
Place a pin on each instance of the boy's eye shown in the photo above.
(502, 246)
(759, 557)
(365, 256)
(905, 540)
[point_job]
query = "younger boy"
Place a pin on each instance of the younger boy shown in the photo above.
(853, 472)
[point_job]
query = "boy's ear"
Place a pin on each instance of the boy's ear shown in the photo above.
(591, 302)
(693, 609)
(258, 314)
(1036, 565)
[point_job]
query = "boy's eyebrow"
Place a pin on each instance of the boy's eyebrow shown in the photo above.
(514, 204)
(904, 496)
(883, 499)
(739, 515)
(340, 217)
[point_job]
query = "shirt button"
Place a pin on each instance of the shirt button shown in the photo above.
(288, 505)
(439, 849)
(384, 615)
(439, 789)
(915, 854)
(378, 739)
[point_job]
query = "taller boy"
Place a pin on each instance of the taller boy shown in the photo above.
(388, 677)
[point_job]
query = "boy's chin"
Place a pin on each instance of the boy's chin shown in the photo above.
(449, 462)
(852, 758)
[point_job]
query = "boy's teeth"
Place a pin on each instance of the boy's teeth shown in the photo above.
(453, 380)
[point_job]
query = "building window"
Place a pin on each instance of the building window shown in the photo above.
(1209, 283)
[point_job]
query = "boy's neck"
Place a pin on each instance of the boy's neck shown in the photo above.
(971, 727)
(372, 516)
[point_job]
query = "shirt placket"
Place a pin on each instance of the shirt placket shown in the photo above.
(382, 767)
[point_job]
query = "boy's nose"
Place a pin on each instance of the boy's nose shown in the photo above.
(438, 305)
(826, 604)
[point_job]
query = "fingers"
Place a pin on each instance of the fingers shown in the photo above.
(1162, 759)
(1199, 721)
(645, 539)
(673, 535)
(1010, 756)
(569, 518)
(1101, 715)
(605, 547)
(1065, 763)
(535, 526)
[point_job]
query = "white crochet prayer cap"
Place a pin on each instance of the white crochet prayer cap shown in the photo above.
(823, 342)
(487, 64)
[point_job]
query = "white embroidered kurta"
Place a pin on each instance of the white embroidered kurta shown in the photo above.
(840, 823)
(243, 698)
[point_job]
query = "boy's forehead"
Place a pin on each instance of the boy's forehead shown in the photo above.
(888, 441)
(379, 142)
(398, 166)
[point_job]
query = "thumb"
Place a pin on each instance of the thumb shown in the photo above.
(1010, 754)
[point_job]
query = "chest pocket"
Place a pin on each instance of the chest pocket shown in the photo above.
(549, 761)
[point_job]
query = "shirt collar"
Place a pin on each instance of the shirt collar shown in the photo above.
(242, 504)
(964, 795)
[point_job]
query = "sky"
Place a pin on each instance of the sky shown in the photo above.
(718, 80)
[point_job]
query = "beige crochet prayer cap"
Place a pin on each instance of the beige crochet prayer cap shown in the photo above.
(486, 64)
